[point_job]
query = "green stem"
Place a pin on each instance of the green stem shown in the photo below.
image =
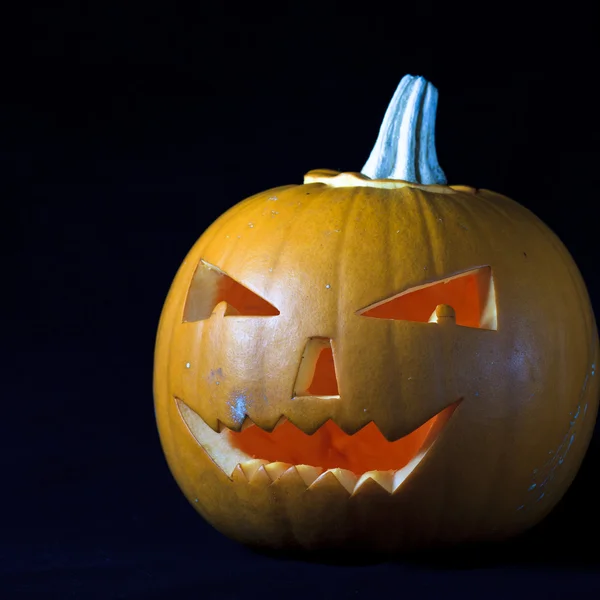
(405, 147)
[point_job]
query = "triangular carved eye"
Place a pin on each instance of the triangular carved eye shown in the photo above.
(471, 294)
(211, 286)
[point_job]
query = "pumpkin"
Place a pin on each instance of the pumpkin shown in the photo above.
(378, 359)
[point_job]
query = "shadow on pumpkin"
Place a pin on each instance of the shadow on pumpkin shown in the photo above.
(558, 541)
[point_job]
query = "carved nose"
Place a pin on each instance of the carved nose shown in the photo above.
(316, 372)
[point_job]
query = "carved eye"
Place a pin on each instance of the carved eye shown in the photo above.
(210, 286)
(471, 294)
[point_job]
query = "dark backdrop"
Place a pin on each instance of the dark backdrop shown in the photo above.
(127, 129)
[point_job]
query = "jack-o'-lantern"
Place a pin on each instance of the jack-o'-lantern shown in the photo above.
(377, 359)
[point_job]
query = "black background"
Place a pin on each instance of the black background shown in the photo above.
(126, 130)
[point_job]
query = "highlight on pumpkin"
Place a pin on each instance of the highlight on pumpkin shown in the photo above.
(210, 286)
(471, 294)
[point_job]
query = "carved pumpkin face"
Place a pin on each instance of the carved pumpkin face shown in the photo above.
(357, 361)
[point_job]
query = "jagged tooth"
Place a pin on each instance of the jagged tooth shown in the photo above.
(230, 311)
(392, 433)
(369, 487)
(327, 482)
(401, 474)
(238, 474)
(190, 415)
(351, 428)
(276, 469)
(213, 423)
(250, 467)
(271, 424)
(388, 430)
(306, 427)
(347, 478)
(385, 479)
(290, 479)
(280, 421)
(308, 473)
(261, 477)
(248, 422)
(232, 425)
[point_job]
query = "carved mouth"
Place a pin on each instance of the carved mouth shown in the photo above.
(352, 459)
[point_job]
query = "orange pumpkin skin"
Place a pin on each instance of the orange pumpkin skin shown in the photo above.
(524, 392)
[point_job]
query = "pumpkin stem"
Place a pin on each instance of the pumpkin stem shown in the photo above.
(405, 148)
